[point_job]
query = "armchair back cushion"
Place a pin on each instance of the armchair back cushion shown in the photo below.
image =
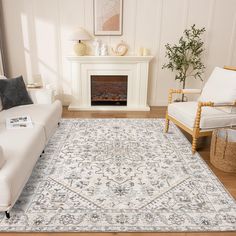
(220, 88)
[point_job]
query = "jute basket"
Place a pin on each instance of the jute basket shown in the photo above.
(223, 149)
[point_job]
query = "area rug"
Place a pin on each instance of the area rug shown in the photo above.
(121, 175)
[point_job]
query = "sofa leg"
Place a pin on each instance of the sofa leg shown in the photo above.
(43, 151)
(194, 145)
(167, 125)
(58, 123)
(7, 214)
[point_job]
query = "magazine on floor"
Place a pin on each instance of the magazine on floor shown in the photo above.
(19, 122)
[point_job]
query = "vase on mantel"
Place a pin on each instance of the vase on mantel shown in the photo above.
(97, 44)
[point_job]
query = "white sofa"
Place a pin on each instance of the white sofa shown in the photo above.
(21, 148)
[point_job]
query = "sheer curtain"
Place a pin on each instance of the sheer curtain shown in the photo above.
(1, 41)
(1, 64)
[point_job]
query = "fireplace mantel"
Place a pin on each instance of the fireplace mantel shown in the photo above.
(135, 67)
(110, 59)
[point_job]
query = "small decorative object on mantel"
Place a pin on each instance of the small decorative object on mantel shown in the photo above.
(121, 49)
(146, 52)
(140, 51)
(97, 44)
(77, 36)
(143, 51)
(104, 50)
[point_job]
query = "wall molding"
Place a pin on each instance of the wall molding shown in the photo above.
(158, 66)
(232, 47)
(151, 23)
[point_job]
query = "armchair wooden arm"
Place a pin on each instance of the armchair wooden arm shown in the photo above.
(227, 104)
(182, 91)
(178, 91)
(230, 68)
(196, 129)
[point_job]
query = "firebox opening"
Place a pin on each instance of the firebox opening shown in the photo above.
(109, 90)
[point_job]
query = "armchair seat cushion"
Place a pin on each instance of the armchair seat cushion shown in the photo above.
(185, 113)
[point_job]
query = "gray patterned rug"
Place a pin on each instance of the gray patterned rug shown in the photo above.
(121, 175)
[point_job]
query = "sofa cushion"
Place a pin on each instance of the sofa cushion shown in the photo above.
(13, 93)
(220, 88)
(46, 115)
(20, 159)
(2, 158)
(185, 112)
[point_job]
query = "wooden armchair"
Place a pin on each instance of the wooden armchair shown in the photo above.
(215, 108)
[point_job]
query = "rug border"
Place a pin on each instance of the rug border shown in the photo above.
(144, 231)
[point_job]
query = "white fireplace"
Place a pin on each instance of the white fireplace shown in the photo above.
(134, 68)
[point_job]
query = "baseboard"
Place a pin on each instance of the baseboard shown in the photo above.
(159, 103)
(66, 101)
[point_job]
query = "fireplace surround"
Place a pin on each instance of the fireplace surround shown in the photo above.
(125, 82)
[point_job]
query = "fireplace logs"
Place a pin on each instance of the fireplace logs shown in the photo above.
(109, 90)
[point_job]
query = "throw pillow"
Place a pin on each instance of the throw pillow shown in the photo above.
(13, 93)
(2, 160)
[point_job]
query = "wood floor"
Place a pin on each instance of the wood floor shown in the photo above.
(229, 180)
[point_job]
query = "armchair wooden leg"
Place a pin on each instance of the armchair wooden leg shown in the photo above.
(167, 125)
(194, 144)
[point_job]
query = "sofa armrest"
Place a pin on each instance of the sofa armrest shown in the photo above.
(42, 95)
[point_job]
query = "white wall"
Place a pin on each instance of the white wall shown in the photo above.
(37, 32)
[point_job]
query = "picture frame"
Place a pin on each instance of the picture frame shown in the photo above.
(108, 17)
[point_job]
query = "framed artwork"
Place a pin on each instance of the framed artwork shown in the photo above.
(108, 16)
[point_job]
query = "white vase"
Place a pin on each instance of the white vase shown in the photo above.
(104, 50)
(97, 44)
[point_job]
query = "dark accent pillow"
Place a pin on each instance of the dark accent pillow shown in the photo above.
(13, 93)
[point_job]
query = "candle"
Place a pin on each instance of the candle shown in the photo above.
(140, 51)
(145, 52)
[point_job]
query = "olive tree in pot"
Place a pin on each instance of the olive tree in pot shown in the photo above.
(185, 58)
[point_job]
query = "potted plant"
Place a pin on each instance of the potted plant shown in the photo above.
(185, 58)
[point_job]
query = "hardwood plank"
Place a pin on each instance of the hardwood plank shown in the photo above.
(228, 179)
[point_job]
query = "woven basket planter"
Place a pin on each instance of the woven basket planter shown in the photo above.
(223, 149)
